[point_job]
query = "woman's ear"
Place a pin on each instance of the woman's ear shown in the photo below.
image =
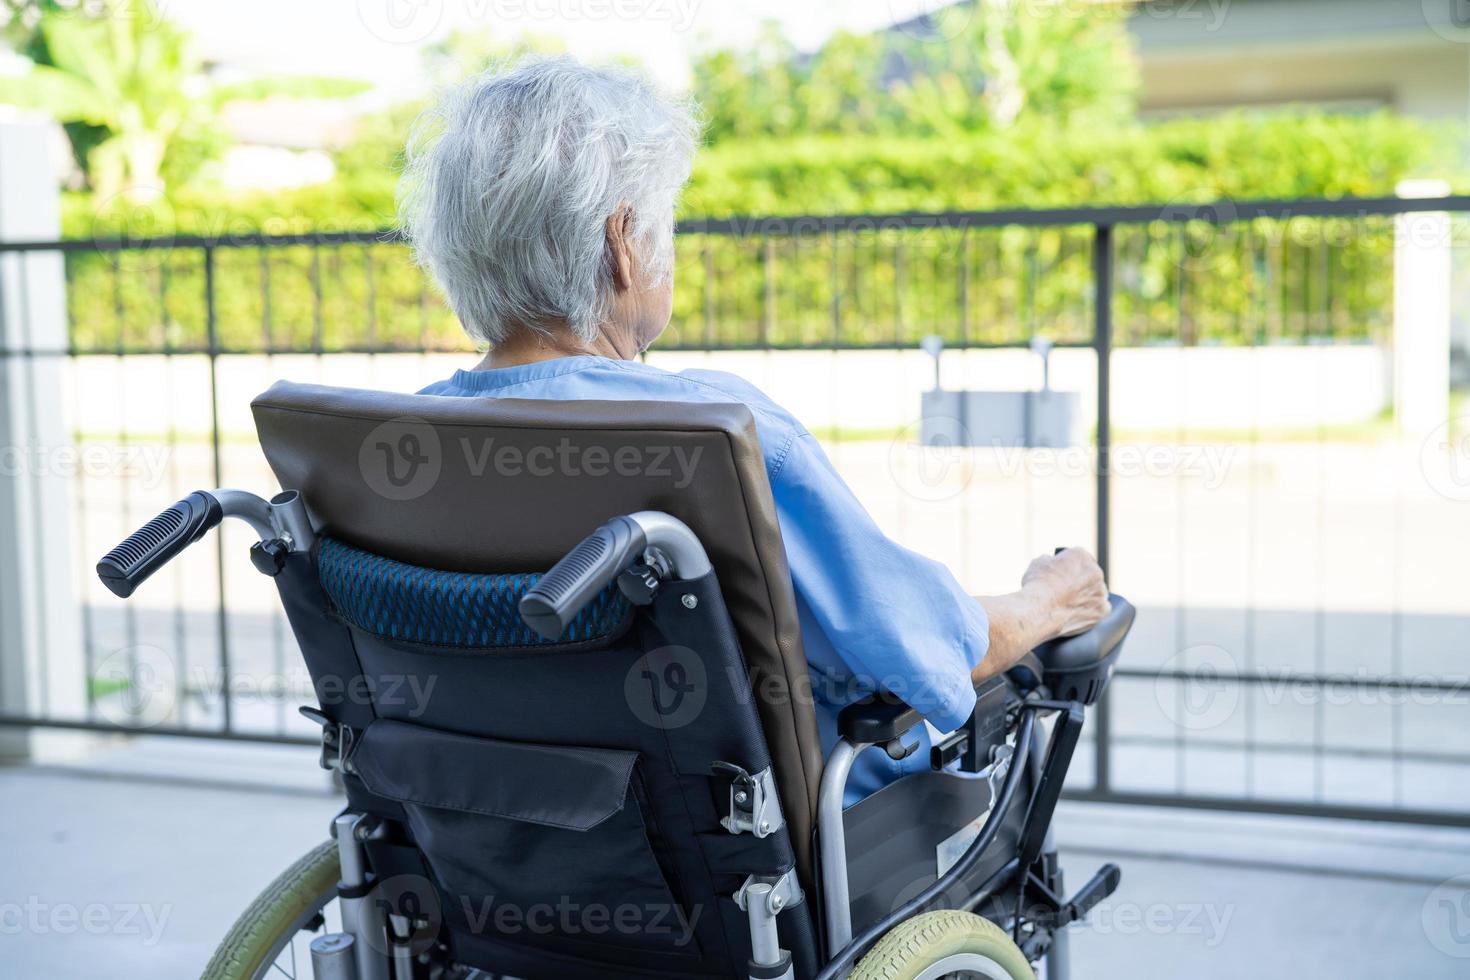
(620, 248)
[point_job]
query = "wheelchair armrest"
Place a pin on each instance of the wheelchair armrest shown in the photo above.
(1080, 652)
(877, 718)
(1077, 668)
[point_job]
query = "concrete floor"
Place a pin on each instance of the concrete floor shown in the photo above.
(133, 860)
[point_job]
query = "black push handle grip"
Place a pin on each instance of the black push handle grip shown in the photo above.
(151, 547)
(554, 601)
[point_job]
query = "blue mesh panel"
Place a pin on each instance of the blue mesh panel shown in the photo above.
(455, 609)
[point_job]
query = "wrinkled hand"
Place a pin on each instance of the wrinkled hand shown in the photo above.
(1070, 586)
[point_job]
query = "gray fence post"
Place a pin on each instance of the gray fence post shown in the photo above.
(42, 666)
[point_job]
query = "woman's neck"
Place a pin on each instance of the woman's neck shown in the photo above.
(526, 346)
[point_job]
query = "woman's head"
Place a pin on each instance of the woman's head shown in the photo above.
(541, 198)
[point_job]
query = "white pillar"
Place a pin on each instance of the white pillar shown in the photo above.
(42, 666)
(1421, 313)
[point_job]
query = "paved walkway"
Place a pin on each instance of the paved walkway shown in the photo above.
(134, 861)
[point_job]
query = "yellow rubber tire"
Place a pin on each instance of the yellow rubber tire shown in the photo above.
(276, 915)
(927, 940)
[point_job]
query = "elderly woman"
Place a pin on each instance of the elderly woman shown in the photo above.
(541, 199)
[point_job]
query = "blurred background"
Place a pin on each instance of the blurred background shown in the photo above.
(1185, 281)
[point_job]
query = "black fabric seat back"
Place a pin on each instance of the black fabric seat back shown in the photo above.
(563, 796)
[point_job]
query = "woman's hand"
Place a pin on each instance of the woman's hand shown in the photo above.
(1070, 586)
(1060, 595)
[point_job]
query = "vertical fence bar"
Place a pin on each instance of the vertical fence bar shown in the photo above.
(1102, 339)
(709, 291)
(964, 287)
(316, 302)
(768, 309)
(171, 435)
(124, 496)
(211, 328)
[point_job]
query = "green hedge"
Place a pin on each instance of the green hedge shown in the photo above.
(1239, 156)
(1190, 283)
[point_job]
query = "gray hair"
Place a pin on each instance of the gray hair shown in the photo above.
(510, 181)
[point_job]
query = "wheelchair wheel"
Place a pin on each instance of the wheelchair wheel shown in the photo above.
(945, 944)
(270, 937)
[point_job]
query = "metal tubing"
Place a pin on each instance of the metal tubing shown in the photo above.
(289, 517)
(283, 516)
(832, 839)
(359, 918)
(1102, 327)
(248, 507)
(334, 957)
(1059, 957)
(401, 945)
(679, 544)
(765, 947)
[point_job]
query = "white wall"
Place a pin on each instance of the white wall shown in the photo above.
(39, 620)
(1162, 388)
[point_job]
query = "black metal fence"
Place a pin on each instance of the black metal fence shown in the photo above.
(1226, 698)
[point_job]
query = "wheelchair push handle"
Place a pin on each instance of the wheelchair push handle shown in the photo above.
(671, 549)
(554, 601)
(281, 521)
(154, 544)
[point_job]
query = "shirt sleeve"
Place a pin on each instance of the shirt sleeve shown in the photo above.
(896, 619)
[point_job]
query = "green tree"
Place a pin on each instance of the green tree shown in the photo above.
(750, 92)
(133, 93)
(984, 65)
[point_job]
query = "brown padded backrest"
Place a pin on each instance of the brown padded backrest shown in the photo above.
(508, 485)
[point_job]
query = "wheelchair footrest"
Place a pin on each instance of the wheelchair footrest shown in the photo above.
(1102, 884)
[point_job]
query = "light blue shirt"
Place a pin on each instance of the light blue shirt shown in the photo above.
(872, 613)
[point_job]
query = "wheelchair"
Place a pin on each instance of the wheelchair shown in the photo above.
(562, 684)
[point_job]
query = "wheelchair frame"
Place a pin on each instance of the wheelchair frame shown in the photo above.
(283, 528)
